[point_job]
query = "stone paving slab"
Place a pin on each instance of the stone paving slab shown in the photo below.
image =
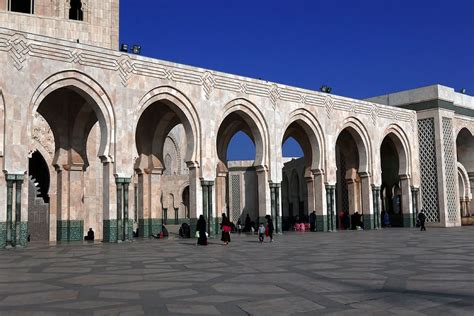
(384, 272)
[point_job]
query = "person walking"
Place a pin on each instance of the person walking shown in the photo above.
(225, 226)
(261, 233)
(201, 229)
(422, 219)
(312, 221)
(270, 227)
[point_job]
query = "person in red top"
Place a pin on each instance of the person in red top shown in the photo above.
(225, 226)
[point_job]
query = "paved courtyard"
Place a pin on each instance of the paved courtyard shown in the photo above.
(396, 271)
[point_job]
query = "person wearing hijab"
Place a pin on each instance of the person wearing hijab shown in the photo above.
(201, 228)
(225, 226)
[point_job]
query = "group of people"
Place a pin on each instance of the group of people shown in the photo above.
(226, 228)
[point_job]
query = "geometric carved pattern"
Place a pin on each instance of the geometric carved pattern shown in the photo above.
(235, 187)
(21, 46)
(428, 169)
(450, 169)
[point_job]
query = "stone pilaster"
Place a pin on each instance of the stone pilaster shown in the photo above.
(414, 197)
(275, 206)
(121, 228)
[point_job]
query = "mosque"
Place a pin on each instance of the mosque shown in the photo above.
(95, 137)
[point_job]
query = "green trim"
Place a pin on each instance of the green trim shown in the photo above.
(149, 226)
(71, 230)
(110, 230)
(3, 234)
(321, 223)
(23, 242)
(408, 220)
(439, 104)
(369, 221)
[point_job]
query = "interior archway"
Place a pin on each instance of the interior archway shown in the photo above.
(38, 197)
(465, 155)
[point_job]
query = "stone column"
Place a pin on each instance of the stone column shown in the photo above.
(109, 192)
(331, 216)
(414, 197)
(16, 228)
(310, 189)
(150, 207)
(407, 209)
(320, 202)
(207, 209)
(376, 202)
(70, 225)
(275, 206)
(119, 227)
(263, 193)
(123, 230)
(471, 181)
(366, 201)
(195, 196)
(220, 198)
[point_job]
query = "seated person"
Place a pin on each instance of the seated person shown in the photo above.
(90, 235)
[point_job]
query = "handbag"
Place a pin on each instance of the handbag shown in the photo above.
(226, 229)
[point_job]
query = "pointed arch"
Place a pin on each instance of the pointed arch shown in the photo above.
(402, 145)
(251, 121)
(308, 123)
(362, 140)
(93, 93)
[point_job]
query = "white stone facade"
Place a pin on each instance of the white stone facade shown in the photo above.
(109, 115)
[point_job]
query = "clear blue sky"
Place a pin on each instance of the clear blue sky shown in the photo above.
(359, 48)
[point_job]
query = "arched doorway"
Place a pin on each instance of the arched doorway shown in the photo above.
(38, 197)
(165, 144)
(353, 208)
(81, 142)
(465, 166)
(242, 186)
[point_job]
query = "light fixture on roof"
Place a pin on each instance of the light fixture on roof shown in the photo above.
(136, 49)
(124, 48)
(463, 90)
(325, 89)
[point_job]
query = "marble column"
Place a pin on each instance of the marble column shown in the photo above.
(275, 206)
(414, 196)
(320, 201)
(195, 196)
(407, 207)
(220, 197)
(16, 228)
(310, 190)
(70, 224)
(330, 198)
(207, 207)
(263, 193)
(150, 207)
(376, 202)
(366, 201)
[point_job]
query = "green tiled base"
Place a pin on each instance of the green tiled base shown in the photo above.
(408, 220)
(70, 230)
(149, 226)
(321, 223)
(110, 230)
(368, 221)
(3, 234)
(23, 234)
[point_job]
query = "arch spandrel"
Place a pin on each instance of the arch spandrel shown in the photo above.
(93, 93)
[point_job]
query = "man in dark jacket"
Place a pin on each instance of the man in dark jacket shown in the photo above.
(422, 219)
(312, 221)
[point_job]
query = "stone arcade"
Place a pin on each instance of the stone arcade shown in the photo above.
(93, 137)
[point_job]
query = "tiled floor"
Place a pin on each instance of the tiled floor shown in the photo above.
(396, 271)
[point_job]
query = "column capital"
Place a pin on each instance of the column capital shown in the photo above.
(207, 183)
(364, 174)
(14, 177)
(375, 187)
(330, 186)
(274, 185)
(122, 180)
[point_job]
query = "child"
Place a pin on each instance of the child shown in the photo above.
(261, 232)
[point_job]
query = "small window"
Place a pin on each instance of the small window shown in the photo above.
(22, 6)
(75, 12)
